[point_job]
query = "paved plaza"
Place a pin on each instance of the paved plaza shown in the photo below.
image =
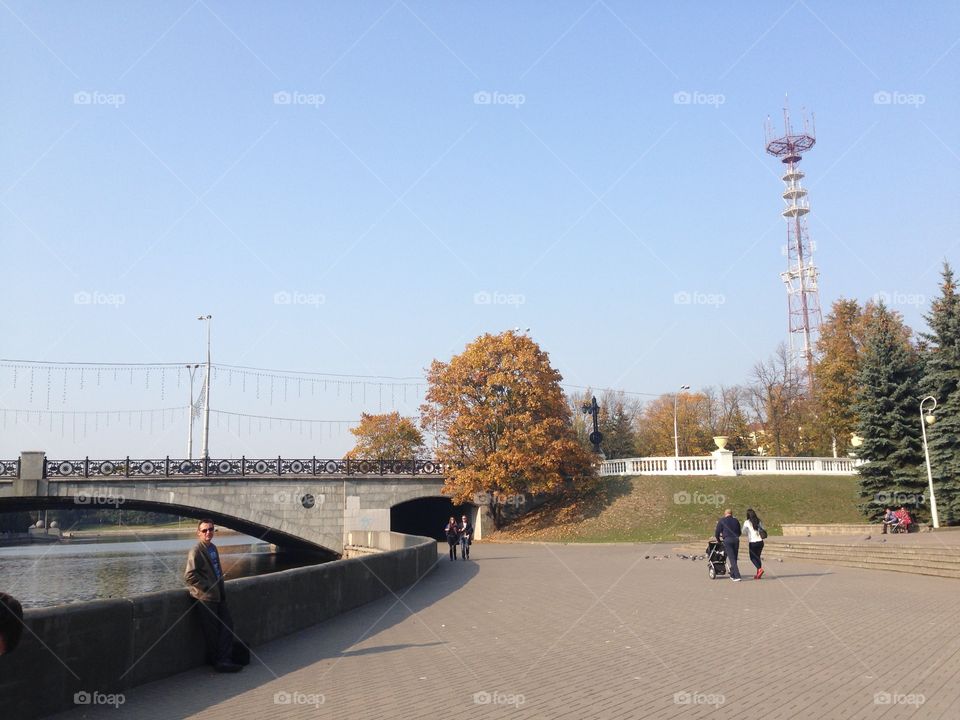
(598, 631)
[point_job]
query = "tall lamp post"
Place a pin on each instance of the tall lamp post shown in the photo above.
(925, 420)
(206, 398)
(676, 436)
(192, 369)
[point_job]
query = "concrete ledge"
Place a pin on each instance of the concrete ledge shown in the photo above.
(108, 646)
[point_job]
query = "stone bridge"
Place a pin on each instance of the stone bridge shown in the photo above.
(301, 503)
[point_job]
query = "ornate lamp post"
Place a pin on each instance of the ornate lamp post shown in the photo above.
(676, 436)
(925, 420)
(596, 437)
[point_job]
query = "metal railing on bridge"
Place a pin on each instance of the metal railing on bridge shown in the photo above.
(242, 467)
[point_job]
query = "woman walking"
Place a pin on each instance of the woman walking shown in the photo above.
(453, 536)
(755, 532)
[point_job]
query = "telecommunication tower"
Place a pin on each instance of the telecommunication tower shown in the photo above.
(800, 277)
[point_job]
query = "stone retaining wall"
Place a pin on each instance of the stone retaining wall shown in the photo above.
(108, 646)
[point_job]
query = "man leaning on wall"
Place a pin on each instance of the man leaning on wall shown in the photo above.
(204, 577)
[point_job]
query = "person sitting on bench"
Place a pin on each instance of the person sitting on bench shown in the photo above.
(890, 520)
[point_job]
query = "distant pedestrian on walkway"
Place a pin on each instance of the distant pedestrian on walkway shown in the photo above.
(728, 532)
(11, 623)
(751, 528)
(204, 577)
(453, 536)
(466, 537)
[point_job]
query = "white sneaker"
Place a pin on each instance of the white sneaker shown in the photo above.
(735, 579)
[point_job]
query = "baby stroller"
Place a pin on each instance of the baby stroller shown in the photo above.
(716, 559)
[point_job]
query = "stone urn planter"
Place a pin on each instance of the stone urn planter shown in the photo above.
(721, 441)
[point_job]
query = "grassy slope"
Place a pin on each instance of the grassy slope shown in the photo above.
(642, 509)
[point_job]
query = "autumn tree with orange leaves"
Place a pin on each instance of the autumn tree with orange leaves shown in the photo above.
(502, 422)
(386, 437)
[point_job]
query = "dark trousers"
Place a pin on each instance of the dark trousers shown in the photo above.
(755, 550)
(464, 548)
(217, 626)
(732, 547)
(453, 549)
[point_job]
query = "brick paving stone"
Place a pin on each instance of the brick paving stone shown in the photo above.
(596, 631)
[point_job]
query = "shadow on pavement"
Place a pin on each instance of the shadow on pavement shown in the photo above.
(192, 693)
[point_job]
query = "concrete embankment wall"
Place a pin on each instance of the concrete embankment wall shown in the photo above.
(69, 653)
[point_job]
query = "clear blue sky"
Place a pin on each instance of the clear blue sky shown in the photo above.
(151, 166)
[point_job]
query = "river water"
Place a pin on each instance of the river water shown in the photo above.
(42, 575)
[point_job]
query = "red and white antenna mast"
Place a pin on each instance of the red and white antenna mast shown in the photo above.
(803, 297)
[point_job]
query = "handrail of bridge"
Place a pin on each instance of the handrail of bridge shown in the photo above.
(242, 467)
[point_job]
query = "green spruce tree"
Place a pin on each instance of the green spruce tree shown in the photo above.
(887, 406)
(941, 379)
(619, 438)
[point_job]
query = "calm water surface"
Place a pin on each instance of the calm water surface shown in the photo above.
(55, 574)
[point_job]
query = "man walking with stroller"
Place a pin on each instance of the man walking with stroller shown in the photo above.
(728, 532)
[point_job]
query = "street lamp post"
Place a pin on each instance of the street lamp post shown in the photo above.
(676, 436)
(925, 420)
(192, 369)
(206, 399)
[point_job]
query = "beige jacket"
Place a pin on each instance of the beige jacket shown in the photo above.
(201, 577)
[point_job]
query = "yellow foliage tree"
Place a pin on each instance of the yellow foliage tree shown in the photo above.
(386, 437)
(503, 424)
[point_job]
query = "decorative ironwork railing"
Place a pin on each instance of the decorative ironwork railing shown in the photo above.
(242, 467)
(9, 468)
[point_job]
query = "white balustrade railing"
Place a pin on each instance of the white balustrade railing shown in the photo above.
(742, 465)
